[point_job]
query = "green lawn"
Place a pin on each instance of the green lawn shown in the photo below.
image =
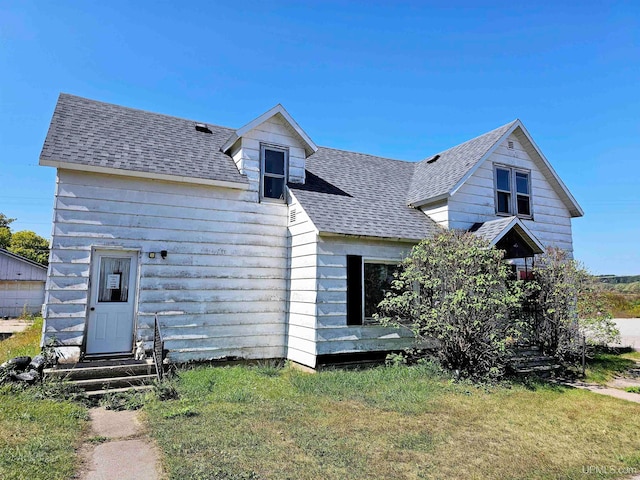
(604, 367)
(383, 423)
(38, 438)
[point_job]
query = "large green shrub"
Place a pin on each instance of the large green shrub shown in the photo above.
(456, 289)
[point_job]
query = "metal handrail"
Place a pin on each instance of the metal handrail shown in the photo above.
(158, 348)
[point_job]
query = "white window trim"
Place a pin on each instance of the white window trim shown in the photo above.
(263, 174)
(385, 261)
(513, 204)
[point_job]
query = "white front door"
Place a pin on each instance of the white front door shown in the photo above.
(111, 304)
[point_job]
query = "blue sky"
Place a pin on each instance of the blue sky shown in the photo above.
(396, 79)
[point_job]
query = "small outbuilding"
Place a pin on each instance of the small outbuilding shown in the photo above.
(21, 285)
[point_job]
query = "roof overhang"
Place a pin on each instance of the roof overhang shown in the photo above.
(369, 238)
(20, 258)
(309, 146)
(148, 175)
(495, 230)
(538, 157)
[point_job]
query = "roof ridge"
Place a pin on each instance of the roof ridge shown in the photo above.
(410, 162)
(508, 124)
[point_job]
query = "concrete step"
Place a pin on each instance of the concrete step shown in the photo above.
(101, 369)
(96, 394)
(114, 382)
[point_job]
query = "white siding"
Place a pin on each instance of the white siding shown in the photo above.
(333, 334)
(303, 264)
(12, 268)
(19, 296)
(439, 213)
(220, 292)
(474, 201)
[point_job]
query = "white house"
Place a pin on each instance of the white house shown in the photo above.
(21, 285)
(256, 243)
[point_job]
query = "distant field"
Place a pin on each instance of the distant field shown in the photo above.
(623, 305)
(622, 294)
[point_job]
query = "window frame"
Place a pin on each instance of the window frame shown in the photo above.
(375, 261)
(264, 174)
(513, 193)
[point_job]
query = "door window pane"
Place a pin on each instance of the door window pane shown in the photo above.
(274, 162)
(113, 284)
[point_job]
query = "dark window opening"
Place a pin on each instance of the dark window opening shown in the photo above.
(513, 192)
(274, 168)
(378, 278)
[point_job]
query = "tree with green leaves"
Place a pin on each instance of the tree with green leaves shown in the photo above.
(25, 242)
(31, 246)
(456, 289)
(5, 230)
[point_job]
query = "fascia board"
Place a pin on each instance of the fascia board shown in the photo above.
(148, 175)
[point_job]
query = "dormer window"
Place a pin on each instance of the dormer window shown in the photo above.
(273, 171)
(513, 191)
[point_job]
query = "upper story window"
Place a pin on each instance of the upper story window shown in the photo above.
(273, 171)
(513, 191)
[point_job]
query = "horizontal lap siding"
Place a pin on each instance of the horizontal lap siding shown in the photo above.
(220, 292)
(333, 334)
(301, 325)
(474, 201)
(17, 297)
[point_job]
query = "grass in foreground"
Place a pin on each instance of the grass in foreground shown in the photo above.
(604, 367)
(37, 437)
(388, 422)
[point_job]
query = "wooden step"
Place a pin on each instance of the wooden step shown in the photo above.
(114, 382)
(538, 369)
(531, 361)
(101, 369)
(95, 394)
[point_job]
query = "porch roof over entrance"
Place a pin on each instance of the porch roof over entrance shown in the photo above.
(510, 234)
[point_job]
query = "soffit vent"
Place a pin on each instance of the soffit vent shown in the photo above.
(292, 216)
(202, 127)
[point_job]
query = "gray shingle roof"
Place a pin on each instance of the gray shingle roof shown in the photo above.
(357, 194)
(346, 192)
(491, 229)
(87, 132)
(437, 178)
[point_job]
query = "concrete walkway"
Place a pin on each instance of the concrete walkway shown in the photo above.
(604, 390)
(11, 326)
(126, 452)
(615, 388)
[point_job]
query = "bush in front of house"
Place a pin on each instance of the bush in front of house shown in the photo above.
(456, 289)
(568, 308)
